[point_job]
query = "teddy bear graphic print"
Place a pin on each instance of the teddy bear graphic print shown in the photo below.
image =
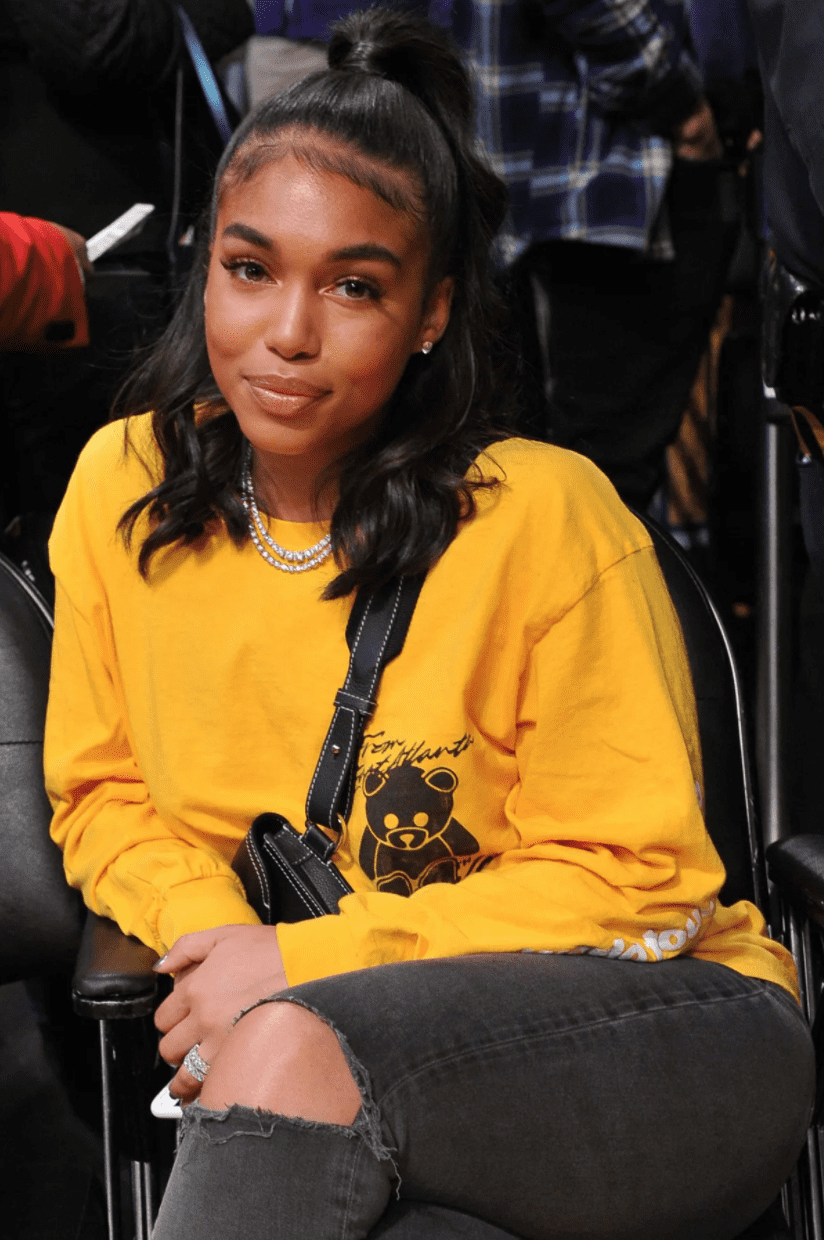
(411, 837)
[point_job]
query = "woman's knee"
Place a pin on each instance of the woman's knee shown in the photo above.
(283, 1058)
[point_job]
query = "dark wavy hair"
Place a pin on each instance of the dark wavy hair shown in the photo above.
(397, 94)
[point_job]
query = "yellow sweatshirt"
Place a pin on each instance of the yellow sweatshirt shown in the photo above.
(530, 780)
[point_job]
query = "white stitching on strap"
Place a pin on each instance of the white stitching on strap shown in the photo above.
(344, 710)
(299, 887)
(260, 870)
(326, 741)
(353, 735)
(358, 634)
(377, 669)
(386, 636)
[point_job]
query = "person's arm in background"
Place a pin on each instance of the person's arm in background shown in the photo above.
(79, 48)
(42, 299)
(635, 64)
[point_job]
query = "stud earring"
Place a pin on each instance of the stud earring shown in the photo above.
(426, 347)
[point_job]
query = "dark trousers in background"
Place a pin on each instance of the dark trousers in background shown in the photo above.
(617, 339)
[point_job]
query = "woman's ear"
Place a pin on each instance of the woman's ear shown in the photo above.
(436, 313)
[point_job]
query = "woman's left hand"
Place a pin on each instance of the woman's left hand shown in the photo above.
(219, 973)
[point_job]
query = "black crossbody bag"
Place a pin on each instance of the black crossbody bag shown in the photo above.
(288, 875)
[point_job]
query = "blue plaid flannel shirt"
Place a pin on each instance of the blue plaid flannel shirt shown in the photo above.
(575, 98)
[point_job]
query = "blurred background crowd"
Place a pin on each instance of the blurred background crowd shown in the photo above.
(663, 260)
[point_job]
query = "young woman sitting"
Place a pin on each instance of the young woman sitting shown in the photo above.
(532, 1017)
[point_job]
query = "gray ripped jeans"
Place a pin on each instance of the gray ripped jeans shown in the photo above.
(519, 1096)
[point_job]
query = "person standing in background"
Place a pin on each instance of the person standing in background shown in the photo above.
(90, 111)
(790, 53)
(618, 238)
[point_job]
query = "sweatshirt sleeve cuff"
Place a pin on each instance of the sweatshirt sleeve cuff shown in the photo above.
(321, 947)
(200, 905)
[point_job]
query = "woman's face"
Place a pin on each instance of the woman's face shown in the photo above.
(315, 301)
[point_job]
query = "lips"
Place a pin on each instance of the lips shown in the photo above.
(284, 385)
(283, 395)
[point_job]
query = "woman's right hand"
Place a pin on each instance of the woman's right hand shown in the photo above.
(218, 974)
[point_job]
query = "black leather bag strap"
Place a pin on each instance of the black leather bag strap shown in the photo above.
(375, 634)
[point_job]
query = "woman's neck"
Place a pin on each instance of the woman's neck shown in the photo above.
(287, 488)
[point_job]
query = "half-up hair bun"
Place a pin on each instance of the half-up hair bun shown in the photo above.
(404, 48)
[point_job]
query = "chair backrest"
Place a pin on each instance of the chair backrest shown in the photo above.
(40, 916)
(728, 788)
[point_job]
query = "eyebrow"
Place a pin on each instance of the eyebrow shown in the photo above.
(245, 233)
(368, 250)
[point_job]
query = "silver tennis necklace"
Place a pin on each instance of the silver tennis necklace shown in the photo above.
(284, 559)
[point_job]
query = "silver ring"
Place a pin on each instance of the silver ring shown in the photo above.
(194, 1065)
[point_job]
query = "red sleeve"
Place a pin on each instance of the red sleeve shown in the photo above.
(42, 302)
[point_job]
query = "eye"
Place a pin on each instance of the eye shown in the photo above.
(353, 288)
(245, 270)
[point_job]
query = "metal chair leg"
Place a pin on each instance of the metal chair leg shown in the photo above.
(130, 1140)
(804, 1194)
(774, 667)
(111, 1173)
(143, 1199)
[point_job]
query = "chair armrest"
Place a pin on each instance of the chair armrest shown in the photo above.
(113, 977)
(796, 864)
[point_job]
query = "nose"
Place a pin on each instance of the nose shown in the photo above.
(293, 327)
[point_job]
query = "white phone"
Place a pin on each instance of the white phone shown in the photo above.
(126, 225)
(165, 1106)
